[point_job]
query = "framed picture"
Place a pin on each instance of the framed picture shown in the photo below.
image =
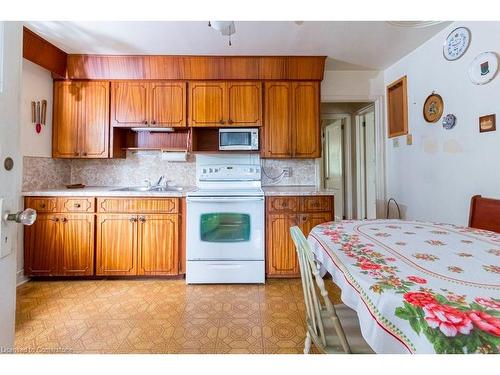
(487, 123)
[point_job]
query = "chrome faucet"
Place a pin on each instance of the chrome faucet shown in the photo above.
(160, 180)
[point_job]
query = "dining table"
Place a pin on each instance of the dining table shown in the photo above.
(417, 287)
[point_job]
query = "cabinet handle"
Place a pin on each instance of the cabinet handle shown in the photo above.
(76, 154)
(304, 217)
(64, 220)
(153, 122)
(221, 122)
(42, 205)
(230, 121)
(142, 219)
(78, 205)
(145, 122)
(84, 154)
(285, 204)
(132, 219)
(54, 219)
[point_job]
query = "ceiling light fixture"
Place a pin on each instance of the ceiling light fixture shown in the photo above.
(413, 24)
(224, 27)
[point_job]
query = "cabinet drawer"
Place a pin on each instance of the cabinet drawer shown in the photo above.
(316, 203)
(77, 204)
(42, 204)
(139, 205)
(282, 204)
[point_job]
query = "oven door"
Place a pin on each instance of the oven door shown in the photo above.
(225, 228)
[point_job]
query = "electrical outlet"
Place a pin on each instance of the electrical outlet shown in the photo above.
(287, 172)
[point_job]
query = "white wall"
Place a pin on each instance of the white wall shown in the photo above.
(36, 86)
(348, 86)
(437, 175)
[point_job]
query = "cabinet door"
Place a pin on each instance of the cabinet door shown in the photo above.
(77, 245)
(41, 246)
(129, 103)
(158, 244)
(277, 129)
(244, 103)
(95, 120)
(168, 104)
(207, 104)
(281, 256)
(116, 252)
(309, 220)
(67, 117)
(305, 116)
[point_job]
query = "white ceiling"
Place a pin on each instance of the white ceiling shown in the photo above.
(349, 45)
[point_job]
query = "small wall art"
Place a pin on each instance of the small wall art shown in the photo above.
(487, 123)
(433, 107)
(449, 121)
(483, 68)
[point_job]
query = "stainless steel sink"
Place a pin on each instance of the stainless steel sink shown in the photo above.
(158, 189)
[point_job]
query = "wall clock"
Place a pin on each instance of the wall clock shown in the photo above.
(483, 68)
(433, 108)
(456, 44)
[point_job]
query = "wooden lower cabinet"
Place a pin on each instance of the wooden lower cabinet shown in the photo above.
(116, 244)
(131, 244)
(60, 245)
(281, 256)
(158, 244)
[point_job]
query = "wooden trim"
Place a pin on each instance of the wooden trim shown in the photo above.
(391, 120)
(43, 53)
(149, 67)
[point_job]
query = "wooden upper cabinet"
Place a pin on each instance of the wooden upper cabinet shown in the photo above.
(167, 104)
(81, 120)
(68, 97)
(244, 103)
(306, 122)
(95, 124)
(207, 104)
(129, 103)
(397, 108)
(291, 117)
(158, 244)
(277, 120)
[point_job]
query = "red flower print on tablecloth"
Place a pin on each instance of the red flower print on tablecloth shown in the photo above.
(369, 266)
(417, 279)
(393, 226)
(409, 232)
(464, 255)
(400, 243)
(494, 252)
(425, 256)
(467, 241)
(455, 269)
(382, 234)
(390, 259)
(435, 242)
(488, 302)
(438, 232)
(492, 268)
(419, 299)
(449, 320)
(485, 322)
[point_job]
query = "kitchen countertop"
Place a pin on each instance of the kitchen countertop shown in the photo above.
(110, 191)
(295, 190)
(104, 191)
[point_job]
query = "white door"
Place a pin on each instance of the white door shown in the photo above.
(334, 164)
(10, 180)
(370, 183)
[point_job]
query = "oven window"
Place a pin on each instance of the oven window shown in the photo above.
(235, 138)
(225, 227)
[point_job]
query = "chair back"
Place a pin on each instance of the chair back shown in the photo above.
(484, 213)
(314, 306)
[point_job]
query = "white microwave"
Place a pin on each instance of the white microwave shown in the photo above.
(238, 139)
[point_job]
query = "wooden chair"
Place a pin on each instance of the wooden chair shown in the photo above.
(333, 329)
(484, 213)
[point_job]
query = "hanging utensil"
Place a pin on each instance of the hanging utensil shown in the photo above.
(38, 126)
(44, 112)
(33, 112)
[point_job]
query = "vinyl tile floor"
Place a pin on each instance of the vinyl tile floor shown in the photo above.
(161, 316)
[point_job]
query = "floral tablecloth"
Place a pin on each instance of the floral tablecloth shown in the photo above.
(417, 287)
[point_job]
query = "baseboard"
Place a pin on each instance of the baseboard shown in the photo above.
(21, 278)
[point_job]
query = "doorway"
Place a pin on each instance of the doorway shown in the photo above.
(349, 161)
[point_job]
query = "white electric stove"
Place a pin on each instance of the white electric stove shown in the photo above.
(225, 221)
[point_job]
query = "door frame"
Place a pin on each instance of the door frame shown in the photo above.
(347, 158)
(380, 142)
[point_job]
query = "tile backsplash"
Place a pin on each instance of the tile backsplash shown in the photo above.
(43, 173)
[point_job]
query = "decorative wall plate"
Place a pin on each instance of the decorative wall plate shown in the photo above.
(483, 68)
(433, 108)
(456, 44)
(449, 121)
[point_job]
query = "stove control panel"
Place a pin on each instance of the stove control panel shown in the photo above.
(229, 172)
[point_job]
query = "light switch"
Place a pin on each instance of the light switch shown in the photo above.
(395, 142)
(409, 139)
